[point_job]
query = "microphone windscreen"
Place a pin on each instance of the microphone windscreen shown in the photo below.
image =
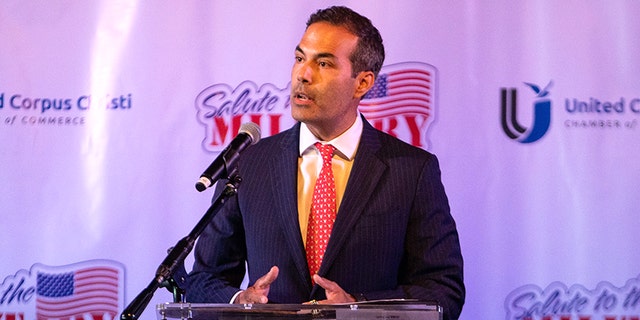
(252, 129)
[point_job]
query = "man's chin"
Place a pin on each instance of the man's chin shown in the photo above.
(298, 118)
(299, 113)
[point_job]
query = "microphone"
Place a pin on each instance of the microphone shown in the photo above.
(248, 134)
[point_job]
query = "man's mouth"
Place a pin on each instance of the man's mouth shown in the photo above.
(301, 96)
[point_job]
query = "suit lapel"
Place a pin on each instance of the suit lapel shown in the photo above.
(284, 174)
(365, 175)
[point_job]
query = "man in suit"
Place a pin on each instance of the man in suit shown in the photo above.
(392, 235)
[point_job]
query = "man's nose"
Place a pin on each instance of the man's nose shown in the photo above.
(304, 73)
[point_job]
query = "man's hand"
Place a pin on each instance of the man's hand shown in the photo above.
(258, 293)
(332, 290)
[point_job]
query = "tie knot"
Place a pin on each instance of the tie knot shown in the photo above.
(326, 151)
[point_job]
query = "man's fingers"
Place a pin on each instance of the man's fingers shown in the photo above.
(260, 290)
(326, 284)
(272, 274)
(334, 293)
(266, 280)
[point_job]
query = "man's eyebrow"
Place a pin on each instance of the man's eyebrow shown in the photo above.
(319, 55)
(325, 55)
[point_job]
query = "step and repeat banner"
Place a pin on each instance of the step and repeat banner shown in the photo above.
(110, 110)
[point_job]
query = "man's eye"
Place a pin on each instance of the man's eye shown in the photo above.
(323, 64)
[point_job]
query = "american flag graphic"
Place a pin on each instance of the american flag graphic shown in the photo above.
(90, 292)
(404, 88)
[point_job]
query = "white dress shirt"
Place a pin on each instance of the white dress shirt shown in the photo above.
(310, 163)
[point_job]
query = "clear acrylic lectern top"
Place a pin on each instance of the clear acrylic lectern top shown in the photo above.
(386, 309)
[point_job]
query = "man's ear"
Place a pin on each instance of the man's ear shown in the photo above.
(364, 82)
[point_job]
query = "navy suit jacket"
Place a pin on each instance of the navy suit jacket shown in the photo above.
(393, 236)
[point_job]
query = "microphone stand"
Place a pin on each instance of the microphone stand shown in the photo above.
(176, 256)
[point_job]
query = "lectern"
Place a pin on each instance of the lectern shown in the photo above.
(362, 311)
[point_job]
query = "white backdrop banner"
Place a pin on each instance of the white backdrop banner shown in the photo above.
(110, 110)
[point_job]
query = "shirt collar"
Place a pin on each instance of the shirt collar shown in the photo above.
(345, 144)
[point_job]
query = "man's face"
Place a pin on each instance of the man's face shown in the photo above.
(324, 95)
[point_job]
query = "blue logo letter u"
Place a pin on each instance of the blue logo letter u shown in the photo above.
(541, 115)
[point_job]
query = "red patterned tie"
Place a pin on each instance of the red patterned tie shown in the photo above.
(323, 210)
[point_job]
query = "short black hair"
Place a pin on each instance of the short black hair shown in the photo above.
(369, 52)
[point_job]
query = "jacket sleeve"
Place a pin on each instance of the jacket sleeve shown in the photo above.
(432, 267)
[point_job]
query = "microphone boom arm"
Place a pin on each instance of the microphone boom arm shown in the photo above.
(176, 256)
